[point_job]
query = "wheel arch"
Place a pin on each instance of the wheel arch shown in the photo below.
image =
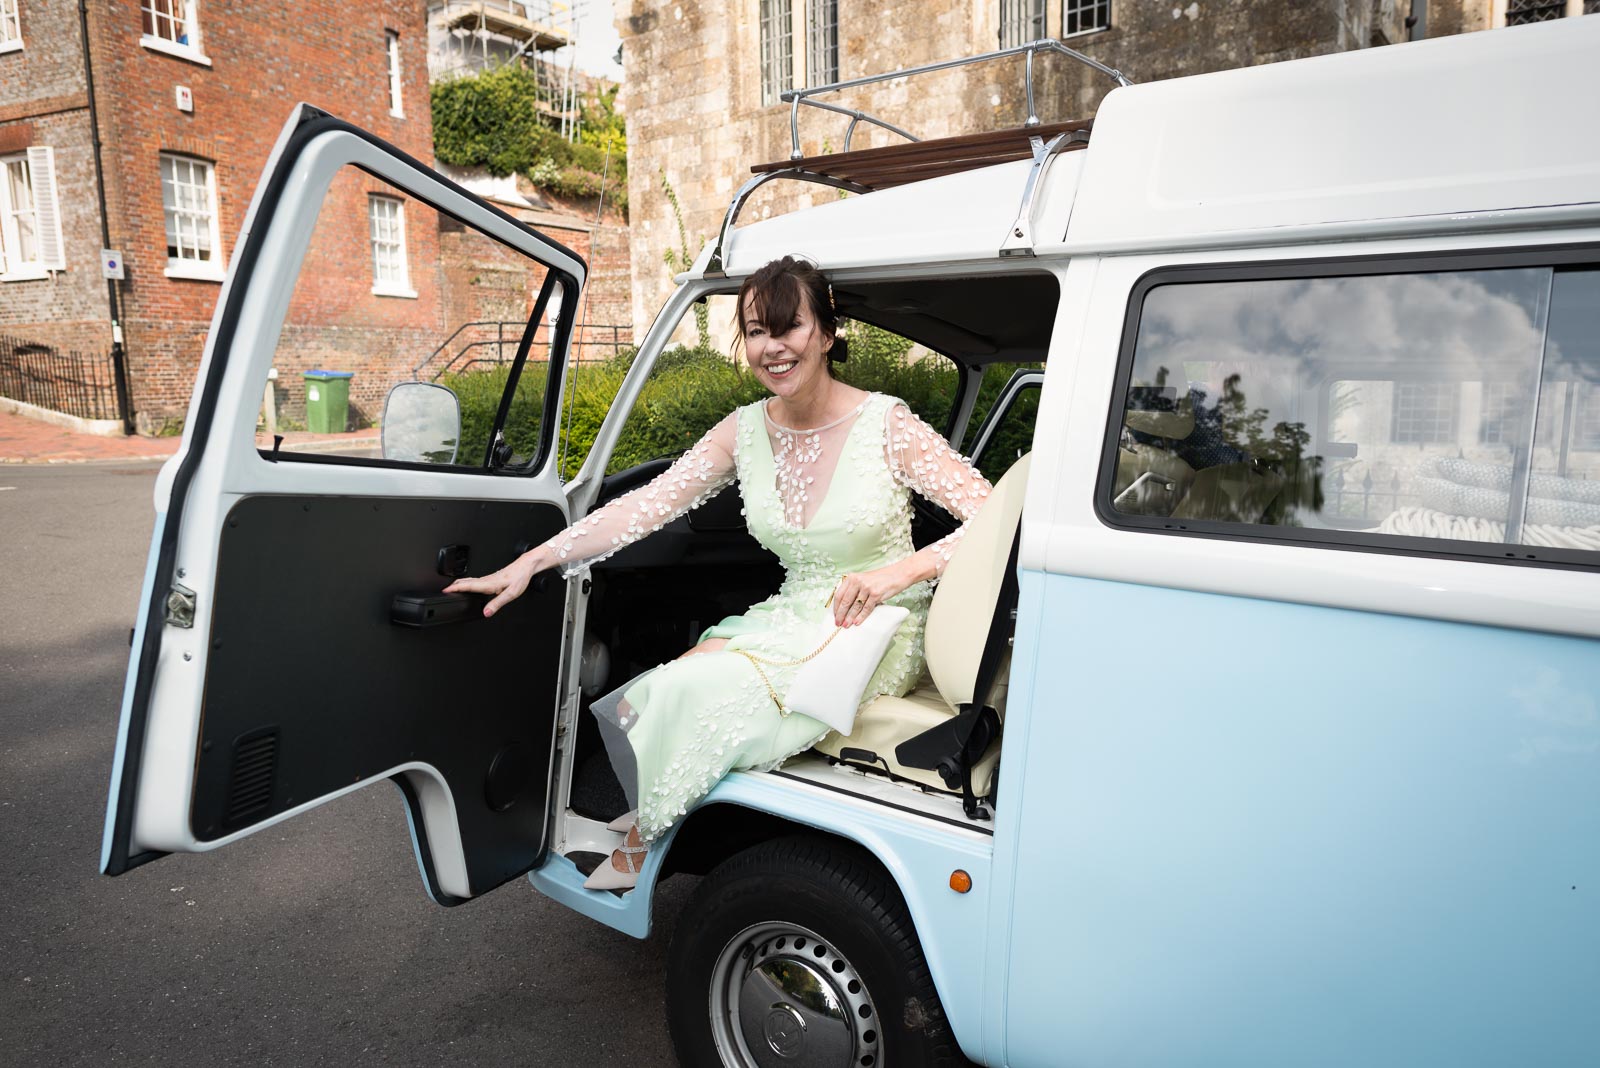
(917, 856)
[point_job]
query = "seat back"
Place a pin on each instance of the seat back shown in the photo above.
(964, 601)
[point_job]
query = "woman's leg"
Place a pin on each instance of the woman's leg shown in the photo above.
(625, 714)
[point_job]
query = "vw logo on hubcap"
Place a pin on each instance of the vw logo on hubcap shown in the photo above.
(785, 1031)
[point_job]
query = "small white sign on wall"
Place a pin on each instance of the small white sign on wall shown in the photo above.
(185, 97)
(111, 264)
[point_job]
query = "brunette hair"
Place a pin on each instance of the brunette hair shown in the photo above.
(775, 293)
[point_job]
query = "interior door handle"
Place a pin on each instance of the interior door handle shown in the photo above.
(423, 609)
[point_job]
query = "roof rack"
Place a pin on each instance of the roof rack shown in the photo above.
(880, 168)
(796, 97)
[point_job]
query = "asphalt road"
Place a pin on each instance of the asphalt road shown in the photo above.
(310, 943)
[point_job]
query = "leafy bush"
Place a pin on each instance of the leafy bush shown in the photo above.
(492, 120)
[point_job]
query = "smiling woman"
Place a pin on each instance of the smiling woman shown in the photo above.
(825, 471)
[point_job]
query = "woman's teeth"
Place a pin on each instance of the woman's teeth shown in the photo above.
(781, 369)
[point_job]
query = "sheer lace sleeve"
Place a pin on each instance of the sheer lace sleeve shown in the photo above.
(694, 478)
(920, 458)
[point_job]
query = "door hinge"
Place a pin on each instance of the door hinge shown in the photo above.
(180, 606)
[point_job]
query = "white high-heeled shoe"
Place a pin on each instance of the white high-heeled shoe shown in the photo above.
(623, 822)
(607, 877)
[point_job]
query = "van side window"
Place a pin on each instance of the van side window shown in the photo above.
(1451, 410)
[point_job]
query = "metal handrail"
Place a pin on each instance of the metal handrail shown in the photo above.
(499, 339)
(582, 339)
(796, 97)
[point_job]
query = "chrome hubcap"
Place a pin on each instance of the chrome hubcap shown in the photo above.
(781, 997)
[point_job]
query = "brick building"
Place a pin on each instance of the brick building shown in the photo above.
(189, 97)
(703, 79)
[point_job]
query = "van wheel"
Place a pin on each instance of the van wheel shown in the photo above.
(800, 952)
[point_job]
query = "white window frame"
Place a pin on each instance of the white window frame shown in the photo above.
(819, 30)
(1017, 15)
(212, 270)
(1426, 412)
(391, 42)
(46, 211)
(776, 66)
(1070, 7)
(1497, 12)
(10, 25)
(191, 28)
(389, 287)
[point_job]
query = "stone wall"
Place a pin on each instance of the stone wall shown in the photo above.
(695, 115)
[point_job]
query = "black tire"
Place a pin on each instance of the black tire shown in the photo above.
(737, 921)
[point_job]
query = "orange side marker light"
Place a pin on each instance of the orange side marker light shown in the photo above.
(960, 881)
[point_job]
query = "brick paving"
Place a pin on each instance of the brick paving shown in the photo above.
(30, 441)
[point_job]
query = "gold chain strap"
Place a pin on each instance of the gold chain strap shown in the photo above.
(757, 661)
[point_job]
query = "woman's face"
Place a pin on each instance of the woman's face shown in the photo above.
(792, 363)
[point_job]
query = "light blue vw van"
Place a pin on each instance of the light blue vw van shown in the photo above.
(1262, 724)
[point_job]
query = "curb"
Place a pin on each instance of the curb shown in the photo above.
(100, 428)
(57, 461)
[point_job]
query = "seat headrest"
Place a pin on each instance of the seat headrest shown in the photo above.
(964, 601)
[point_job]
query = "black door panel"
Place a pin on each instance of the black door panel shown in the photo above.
(311, 687)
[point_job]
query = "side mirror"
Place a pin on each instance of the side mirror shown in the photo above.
(421, 424)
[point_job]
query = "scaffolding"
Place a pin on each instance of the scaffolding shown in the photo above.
(467, 37)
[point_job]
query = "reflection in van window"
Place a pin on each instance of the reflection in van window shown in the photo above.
(1396, 404)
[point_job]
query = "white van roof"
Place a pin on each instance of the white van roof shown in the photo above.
(1412, 134)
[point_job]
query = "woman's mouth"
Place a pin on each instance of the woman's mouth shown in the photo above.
(778, 370)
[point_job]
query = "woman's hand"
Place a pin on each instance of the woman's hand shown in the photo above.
(859, 592)
(507, 584)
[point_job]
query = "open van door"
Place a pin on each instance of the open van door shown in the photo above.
(291, 645)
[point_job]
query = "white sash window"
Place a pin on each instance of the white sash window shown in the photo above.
(1085, 16)
(171, 26)
(189, 201)
(10, 26)
(30, 216)
(392, 43)
(390, 276)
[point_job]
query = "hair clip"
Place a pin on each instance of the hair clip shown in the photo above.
(833, 305)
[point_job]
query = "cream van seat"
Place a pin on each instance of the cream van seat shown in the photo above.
(958, 625)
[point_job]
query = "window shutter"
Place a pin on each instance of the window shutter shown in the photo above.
(42, 172)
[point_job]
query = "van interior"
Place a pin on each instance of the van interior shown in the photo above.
(703, 566)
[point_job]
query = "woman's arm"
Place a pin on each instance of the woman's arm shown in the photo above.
(920, 458)
(694, 478)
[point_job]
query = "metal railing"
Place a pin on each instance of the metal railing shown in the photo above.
(795, 97)
(74, 383)
(494, 342)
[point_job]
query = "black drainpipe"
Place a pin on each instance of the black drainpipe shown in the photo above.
(119, 363)
(1417, 21)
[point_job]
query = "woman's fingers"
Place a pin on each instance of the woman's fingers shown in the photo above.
(511, 590)
(500, 586)
(490, 584)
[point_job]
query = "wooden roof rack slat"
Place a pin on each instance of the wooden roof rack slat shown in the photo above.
(892, 165)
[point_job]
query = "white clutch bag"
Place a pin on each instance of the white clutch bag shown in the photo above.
(830, 682)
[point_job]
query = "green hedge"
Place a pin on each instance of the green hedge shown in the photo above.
(690, 389)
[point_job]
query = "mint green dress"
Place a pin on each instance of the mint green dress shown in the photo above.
(826, 501)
